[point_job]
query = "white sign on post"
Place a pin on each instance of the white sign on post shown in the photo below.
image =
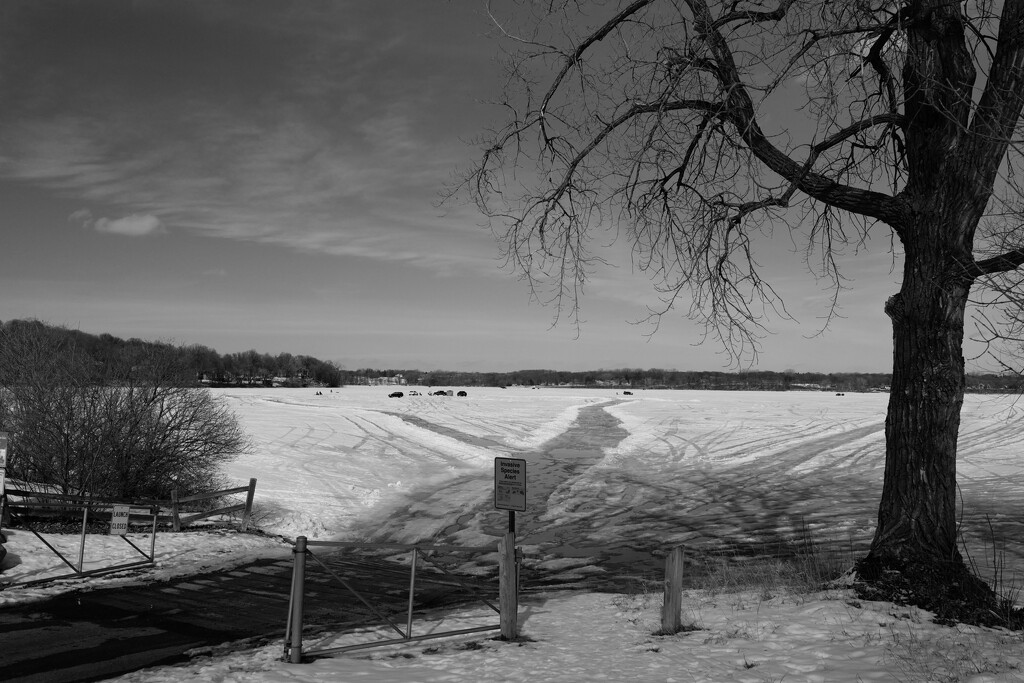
(119, 520)
(3, 461)
(510, 484)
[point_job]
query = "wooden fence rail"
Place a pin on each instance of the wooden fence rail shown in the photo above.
(246, 508)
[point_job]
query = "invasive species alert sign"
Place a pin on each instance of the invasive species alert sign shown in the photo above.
(510, 484)
(119, 520)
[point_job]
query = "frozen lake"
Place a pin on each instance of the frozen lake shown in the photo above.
(613, 481)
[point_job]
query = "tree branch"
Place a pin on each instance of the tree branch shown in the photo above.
(573, 59)
(1000, 105)
(1003, 263)
(752, 16)
(741, 114)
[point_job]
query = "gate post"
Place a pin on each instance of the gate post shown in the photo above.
(508, 586)
(298, 589)
(247, 514)
(81, 544)
(175, 518)
(672, 607)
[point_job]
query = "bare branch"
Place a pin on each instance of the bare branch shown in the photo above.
(741, 114)
(997, 264)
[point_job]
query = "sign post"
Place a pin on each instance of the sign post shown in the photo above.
(3, 462)
(3, 476)
(509, 494)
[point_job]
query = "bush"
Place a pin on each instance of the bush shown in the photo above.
(129, 427)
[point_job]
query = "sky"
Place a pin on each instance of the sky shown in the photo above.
(266, 175)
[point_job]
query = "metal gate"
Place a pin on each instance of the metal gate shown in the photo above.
(418, 553)
(18, 503)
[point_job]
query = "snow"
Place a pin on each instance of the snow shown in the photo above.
(695, 468)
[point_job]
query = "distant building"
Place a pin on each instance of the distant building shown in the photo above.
(397, 380)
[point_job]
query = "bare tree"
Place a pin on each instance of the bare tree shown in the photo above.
(130, 427)
(696, 127)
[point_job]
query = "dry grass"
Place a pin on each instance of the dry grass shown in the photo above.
(991, 568)
(802, 565)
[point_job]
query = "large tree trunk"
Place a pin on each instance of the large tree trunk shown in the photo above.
(914, 553)
(917, 514)
(914, 556)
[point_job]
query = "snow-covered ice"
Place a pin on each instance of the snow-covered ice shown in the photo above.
(703, 469)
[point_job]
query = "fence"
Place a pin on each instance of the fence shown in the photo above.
(508, 600)
(31, 503)
(177, 504)
(26, 505)
(174, 512)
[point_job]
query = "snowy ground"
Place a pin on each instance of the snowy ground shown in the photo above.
(718, 472)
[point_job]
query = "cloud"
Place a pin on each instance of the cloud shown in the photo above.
(136, 225)
(82, 216)
(340, 149)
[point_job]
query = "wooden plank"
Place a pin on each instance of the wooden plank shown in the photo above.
(402, 546)
(211, 513)
(212, 494)
(83, 500)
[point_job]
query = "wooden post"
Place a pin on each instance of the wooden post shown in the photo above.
(672, 607)
(155, 511)
(175, 518)
(298, 590)
(412, 590)
(81, 545)
(508, 595)
(247, 514)
(4, 520)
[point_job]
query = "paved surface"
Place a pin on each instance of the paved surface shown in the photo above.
(92, 635)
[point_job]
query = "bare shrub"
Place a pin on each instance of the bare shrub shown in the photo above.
(127, 427)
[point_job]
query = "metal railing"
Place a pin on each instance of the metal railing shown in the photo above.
(35, 502)
(27, 505)
(418, 553)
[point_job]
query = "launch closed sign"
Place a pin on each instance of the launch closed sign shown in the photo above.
(119, 520)
(510, 484)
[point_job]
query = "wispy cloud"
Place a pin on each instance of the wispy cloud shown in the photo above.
(336, 152)
(135, 225)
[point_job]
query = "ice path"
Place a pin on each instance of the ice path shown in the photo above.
(735, 491)
(609, 523)
(426, 512)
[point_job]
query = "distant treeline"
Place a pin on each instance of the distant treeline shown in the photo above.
(203, 364)
(655, 378)
(195, 363)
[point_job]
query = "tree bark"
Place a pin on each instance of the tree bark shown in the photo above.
(914, 557)
(917, 514)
